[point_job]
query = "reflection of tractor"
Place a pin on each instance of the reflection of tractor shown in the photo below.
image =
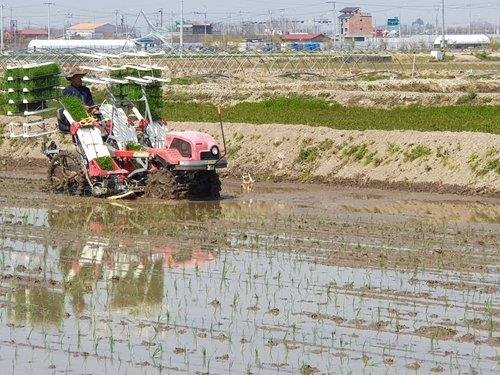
(117, 156)
(135, 279)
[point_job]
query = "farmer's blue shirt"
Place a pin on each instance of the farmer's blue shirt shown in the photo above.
(82, 92)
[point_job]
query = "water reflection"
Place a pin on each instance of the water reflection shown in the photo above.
(37, 217)
(118, 218)
(158, 219)
(121, 275)
(34, 305)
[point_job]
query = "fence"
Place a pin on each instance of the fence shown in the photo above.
(338, 65)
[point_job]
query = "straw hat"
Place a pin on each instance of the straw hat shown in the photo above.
(75, 72)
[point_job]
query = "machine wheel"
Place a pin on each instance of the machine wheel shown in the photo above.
(164, 184)
(205, 184)
(66, 175)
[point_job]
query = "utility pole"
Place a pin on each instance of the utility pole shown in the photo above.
(116, 23)
(400, 16)
(48, 18)
(161, 17)
(470, 17)
(181, 41)
(172, 29)
(205, 36)
(1, 28)
(334, 20)
(436, 27)
(443, 42)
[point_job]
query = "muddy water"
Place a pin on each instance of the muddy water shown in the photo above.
(286, 278)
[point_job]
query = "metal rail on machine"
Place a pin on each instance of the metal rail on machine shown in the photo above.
(25, 129)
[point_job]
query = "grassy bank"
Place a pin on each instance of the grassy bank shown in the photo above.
(319, 112)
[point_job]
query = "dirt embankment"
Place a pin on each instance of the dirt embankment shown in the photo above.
(467, 163)
(436, 161)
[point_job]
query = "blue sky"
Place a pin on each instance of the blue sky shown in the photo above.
(34, 13)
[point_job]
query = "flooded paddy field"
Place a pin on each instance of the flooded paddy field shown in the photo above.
(288, 278)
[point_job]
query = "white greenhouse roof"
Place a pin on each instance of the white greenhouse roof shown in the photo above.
(464, 39)
(90, 44)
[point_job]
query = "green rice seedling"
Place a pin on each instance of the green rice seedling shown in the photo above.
(319, 112)
(39, 95)
(75, 107)
(32, 71)
(105, 163)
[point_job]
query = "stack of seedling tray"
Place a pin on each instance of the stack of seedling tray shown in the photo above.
(29, 87)
(132, 91)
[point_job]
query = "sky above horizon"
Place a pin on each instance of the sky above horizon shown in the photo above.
(34, 13)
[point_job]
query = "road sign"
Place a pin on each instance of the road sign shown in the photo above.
(391, 22)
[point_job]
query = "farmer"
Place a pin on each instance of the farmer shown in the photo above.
(76, 88)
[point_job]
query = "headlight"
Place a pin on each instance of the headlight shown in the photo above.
(214, 150)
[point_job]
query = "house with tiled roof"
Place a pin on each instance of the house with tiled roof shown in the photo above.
(355, 25)
(90, 30)
(33, 33)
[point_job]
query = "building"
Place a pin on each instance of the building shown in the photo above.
(463, 41)
(30, 34)
(196, 28)
(355, 25)
(108, 45)
(88, 30)
(304, 38)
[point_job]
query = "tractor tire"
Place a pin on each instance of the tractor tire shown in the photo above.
(205, 184)
(163, 184)
(66, 174)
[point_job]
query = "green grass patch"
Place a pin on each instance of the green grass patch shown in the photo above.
(232, 151)
(393, 149)
(186, 80)
(357, 152)
(326, 145)
(308, 154)
(467, 98)
(481, 166)
(492, 165)
(319, 112)
(484, 56)
(417, 152)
